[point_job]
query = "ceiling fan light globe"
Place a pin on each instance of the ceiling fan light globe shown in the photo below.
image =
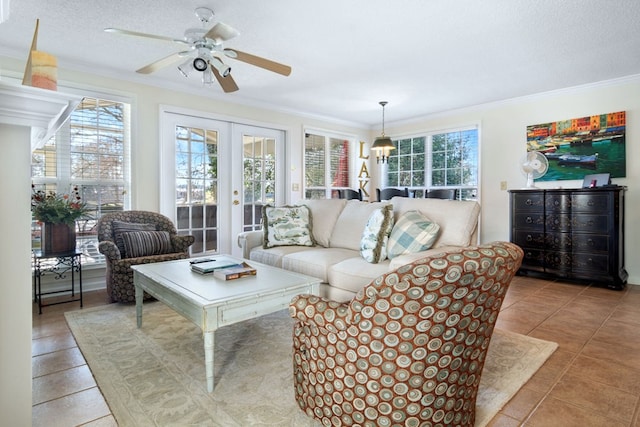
(185, 68)
(200, 64)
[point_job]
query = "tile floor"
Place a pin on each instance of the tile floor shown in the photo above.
(593, 379)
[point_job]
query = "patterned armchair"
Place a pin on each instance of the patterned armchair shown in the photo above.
(409, 348)
(136, 237)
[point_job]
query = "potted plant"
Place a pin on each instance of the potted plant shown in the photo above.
(58, 214)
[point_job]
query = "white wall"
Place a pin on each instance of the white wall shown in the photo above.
(15, 284)
(503, 136)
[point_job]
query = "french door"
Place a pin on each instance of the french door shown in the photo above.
(216, 176)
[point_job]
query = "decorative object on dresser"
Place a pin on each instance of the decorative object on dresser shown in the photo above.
(574, 234)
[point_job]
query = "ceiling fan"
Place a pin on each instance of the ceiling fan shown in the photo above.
(205, 51)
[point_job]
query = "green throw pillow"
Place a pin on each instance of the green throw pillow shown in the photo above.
(373, 245)
(412, 233)
(287, 226)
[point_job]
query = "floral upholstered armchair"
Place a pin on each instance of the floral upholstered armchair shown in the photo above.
(136, 237)
(409, 348)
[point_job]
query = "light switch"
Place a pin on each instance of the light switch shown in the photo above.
(295, 187)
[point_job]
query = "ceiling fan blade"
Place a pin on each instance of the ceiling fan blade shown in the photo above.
(221, 32)
(164, 62)
(150, 36)
(227, 83)
(258, 61)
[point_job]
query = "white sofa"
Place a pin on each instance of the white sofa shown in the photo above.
(337, 227)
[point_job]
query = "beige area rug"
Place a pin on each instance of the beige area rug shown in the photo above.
(154, 376)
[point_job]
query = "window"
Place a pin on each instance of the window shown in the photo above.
(438, 160)
(326, 165)
(90, 151)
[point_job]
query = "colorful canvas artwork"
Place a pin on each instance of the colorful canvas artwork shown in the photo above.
(581, 146)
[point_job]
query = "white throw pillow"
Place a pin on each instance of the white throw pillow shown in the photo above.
(412, 233)
(286, 226)
(373, 245)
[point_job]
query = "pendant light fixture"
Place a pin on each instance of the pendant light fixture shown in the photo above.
(383, 144)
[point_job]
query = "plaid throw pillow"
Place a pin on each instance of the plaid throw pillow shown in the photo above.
(412, 233)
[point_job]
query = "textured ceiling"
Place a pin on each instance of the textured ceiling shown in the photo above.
(423, 56)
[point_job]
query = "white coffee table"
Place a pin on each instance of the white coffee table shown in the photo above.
(212, 303)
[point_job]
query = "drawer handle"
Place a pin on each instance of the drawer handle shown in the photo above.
(590, 242)
(529, 238)
(529, 220)
(528, 202)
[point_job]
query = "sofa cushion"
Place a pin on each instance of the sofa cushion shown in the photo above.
(120, 227)
(287, 226)
(324, 214)
(373, 245)
(317, 261)
(274, 256)
(347, 232)
(145, 243)
(353, 274)
(413, 232)
(458, 219)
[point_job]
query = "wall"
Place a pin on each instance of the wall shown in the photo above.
(15, 285)
(503, 136)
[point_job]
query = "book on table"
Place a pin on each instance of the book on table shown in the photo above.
(236, 272)
(210, 265)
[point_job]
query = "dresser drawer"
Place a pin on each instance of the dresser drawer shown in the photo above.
(558, 202)
(577, 223)
(596, 203)
(558, 242)
(529, 239)
(533, 259)
(528, 201)
(529, 221)
(590, 223)
(594, 263)
(590, 243)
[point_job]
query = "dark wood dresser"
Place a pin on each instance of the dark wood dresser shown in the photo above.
(573, 234)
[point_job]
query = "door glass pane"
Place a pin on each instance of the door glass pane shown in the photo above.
(259, 178)
(196, 186)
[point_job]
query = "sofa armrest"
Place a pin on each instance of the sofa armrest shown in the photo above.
(248, 240)
(181, 243)
(321, 312)
(109, 250)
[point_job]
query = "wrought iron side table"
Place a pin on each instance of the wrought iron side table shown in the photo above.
(60, 266)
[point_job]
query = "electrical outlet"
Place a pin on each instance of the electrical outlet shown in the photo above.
(295, 187)
(503, 185)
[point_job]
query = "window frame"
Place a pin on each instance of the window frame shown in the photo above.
(465, 191)
(328, 189)
(63, 180)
